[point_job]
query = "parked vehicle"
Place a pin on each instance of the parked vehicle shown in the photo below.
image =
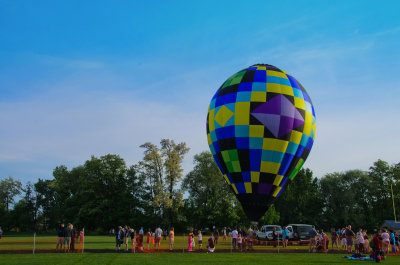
(265, 233)
(299, 232)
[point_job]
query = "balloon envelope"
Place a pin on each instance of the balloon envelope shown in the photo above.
(260, 130)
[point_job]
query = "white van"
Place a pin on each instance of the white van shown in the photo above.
(265, 233)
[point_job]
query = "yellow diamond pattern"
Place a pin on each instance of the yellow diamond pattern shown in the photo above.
(223, 115)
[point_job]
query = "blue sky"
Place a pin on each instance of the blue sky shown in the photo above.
(82, 78)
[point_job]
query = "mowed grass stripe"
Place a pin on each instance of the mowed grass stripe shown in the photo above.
(181, 258)
(108, 243)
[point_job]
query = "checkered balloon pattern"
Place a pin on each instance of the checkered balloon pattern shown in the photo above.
(260, 130)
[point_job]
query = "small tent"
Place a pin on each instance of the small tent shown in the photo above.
(391, 225)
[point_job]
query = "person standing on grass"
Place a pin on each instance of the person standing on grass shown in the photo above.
(165, 231)
(148, 236)
(234, 238)
(334, 238)
(366, 242)
(119, 238)
(60, 237)
(224, 234)
(200, 236)
(216, 236)
(343, 239)
(239, 242)
(313, 234)
(392, 241)
(126, 237)
(244, 239)
(73, 239)
(250, 235)
(385, 241)
(171, 238)
(349, 238)
(285, 234)
(141, 234)
(275, 236)
(190, 239)
(361, 241)
(324, 241)
(132, 233)
(158, 234)
(376, 247)
(67, 237)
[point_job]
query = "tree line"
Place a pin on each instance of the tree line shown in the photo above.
(105, 192)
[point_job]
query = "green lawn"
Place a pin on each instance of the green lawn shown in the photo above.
(104, 243)
(180, 258)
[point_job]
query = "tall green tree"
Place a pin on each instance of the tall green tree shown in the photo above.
(383, 178)
(210, 201)
(31, 206)
(173, 155)
(162, 168)
(46, 202)
(271, 216)
(9, 189)
(301, 201)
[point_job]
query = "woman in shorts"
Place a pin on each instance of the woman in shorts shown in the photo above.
(171, 238)
(200, 236)
(366, 241)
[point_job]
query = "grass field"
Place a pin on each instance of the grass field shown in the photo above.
(108, 243)
(104, 243)
(183, 258)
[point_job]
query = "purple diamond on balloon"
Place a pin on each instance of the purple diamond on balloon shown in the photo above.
(264, 188)
(271, 121)
(278, 115)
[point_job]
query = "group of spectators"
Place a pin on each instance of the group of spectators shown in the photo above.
(383, 240)
(142, 241)
(152, 238)
(242, 239)
(67, 237)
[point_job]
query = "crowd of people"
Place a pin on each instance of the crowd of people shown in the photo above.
(382, 242)
(67, 238)
(144, 241)
(344, 239)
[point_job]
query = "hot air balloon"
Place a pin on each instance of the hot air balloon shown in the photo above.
(260, 130)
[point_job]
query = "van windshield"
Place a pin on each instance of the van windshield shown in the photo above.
(303, 229)
(271, 228)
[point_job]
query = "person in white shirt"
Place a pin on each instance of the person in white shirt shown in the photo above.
(200, 240)
(361, 240)
(224, 234)
(385, 241)
(158, 234)
(234, 238)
